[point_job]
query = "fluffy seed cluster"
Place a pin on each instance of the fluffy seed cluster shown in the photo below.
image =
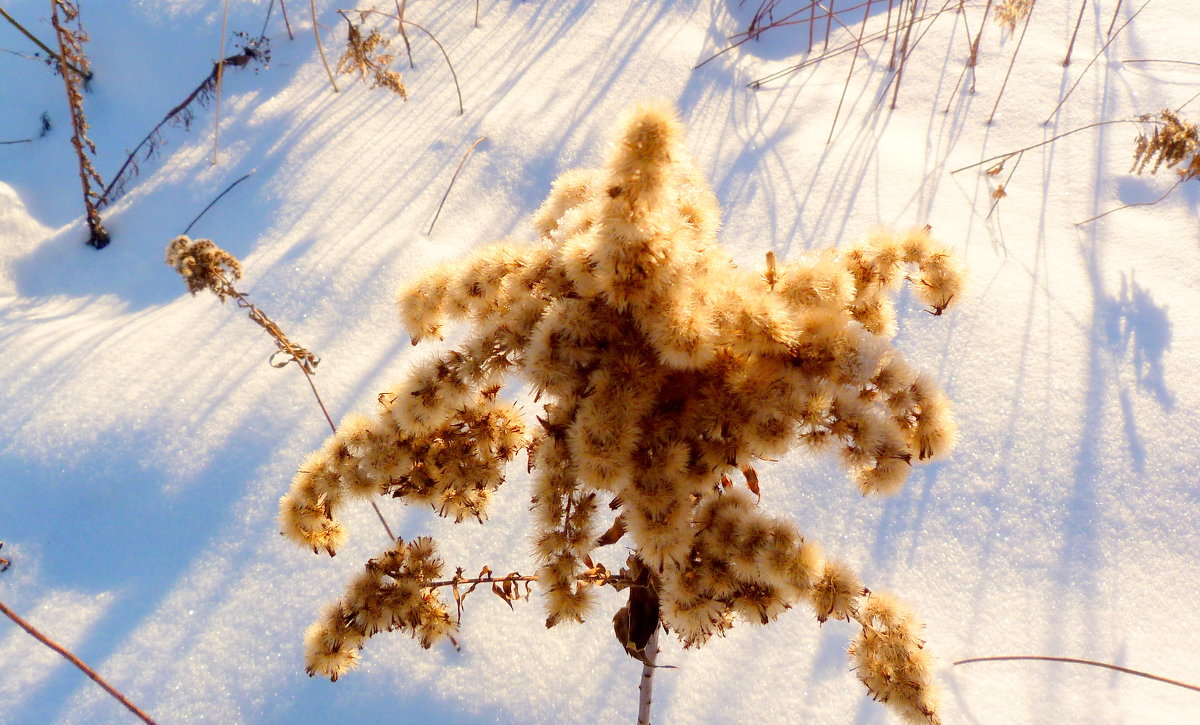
(664, 373)
(392, 593)
(1173, 143)
(203, 265)
(1011, 12)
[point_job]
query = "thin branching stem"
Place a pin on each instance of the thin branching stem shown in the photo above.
(116, 184)
(1076, 661)
(1111, 38)
(36, 634)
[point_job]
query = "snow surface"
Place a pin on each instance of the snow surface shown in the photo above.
(146, 441)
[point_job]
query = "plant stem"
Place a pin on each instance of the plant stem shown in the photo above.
(1074, 33)
(1039, 144)
(1073, 660)
(312, 6)
(86, 75)
(646, 686)
(33, 631)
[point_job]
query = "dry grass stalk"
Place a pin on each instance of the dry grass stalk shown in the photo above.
(663, 372)
(220, 76)
(70, 657)
(70, 44)
(462, 162)
(1076, 661)
(312, 9)
(1019, 10)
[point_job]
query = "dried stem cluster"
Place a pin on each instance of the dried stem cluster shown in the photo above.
(662, 370)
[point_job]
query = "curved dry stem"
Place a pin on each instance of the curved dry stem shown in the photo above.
(1076, 661)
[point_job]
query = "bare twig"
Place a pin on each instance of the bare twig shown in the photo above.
(36, 634)
(20, 140)
(1073, 660)
(214, 201)
(312, 6)
(453, 178)
(85, 75)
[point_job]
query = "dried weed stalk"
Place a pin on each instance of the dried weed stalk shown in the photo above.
(369, 56)
(663, 372)
(205, 266)
(70, 44)
(253, 50)
(1174, 142)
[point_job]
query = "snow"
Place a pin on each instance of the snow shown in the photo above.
(146, 441)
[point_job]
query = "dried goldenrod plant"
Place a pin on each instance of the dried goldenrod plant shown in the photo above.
(70, 45)
(369, 56)
(1011, 12)
(1172, 143)
(662, 372)
(205, 266)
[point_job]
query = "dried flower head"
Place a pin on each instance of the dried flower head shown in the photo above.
(664, 373)
(1010, 12)
(368, 56)
(1172, 143)
(203, 265)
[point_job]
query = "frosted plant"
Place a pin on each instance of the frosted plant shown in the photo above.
(662, 372)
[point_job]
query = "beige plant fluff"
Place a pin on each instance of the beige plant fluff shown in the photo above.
(663, 374)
